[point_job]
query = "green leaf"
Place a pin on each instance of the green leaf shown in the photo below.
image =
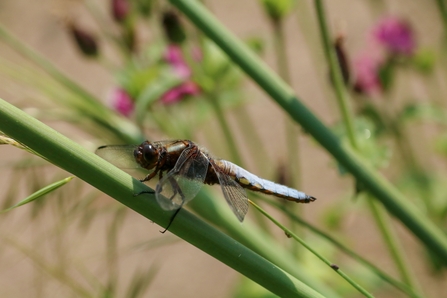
(424, 60)
(40, 193)
(386, 75)
(423, 112)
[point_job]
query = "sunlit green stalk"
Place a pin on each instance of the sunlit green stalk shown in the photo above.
(323, 259)
(348, 119)
(421, 226)
(71, 157)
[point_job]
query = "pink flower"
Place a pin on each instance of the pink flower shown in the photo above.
(395, 35)
(179, 92)
(122, 102)
(366, 71)
(174, 57)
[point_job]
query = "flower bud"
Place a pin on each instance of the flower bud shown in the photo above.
(277, 9)
(120, 10)
(173, 27)
(85, 41)
(342, 59)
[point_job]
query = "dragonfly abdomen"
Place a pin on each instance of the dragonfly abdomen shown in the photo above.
(254, 183)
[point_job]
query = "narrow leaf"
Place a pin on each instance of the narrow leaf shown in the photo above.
(41, 192)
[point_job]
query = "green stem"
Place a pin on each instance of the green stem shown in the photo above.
(229, 138)
(291, 129)
(257, 149)
(293, 166)
(106, 118)
(384, 276)
(336, 75)
(392, 242)
(443, 11)
(397, 204)
(379, 214)
(71, 157)
(314, 252)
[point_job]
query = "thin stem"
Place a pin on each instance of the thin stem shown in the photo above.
(101, 115)
(392, 242)
(291, 129)
(293, 169)
(336, 75)
(443, 11)
(229, 138)
(326, 261)
(384, 276)
(379, 214)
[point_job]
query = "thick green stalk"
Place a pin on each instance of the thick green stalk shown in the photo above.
(343, 99)
(71, 157)
(429, 234)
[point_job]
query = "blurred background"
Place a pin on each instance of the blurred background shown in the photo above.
(128, 69)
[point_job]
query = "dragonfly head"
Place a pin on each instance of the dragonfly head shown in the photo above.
(146, 155)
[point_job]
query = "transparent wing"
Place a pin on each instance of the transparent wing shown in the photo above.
(183, 182)
(119, 155)
(234, 194)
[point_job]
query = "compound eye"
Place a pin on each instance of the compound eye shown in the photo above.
(150, 153)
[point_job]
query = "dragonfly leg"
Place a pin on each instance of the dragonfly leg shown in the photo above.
(143, 192)
(177, 190)
(149, 176)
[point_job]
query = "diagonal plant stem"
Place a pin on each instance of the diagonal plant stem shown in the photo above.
(105, 117)
(379, 214)
(313, 251)
(396, 203)
(387, 278)
(71, 157)
(291, 129)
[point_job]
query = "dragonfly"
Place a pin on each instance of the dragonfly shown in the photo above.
(183, 167)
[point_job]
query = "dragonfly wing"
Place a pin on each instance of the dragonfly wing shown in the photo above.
(184, 181)
(119, 155)
(234, 194)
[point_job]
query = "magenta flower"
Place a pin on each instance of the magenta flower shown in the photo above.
(395, 35)
(122, 102)
(179, 92)
(366, 71)
(174, 57)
